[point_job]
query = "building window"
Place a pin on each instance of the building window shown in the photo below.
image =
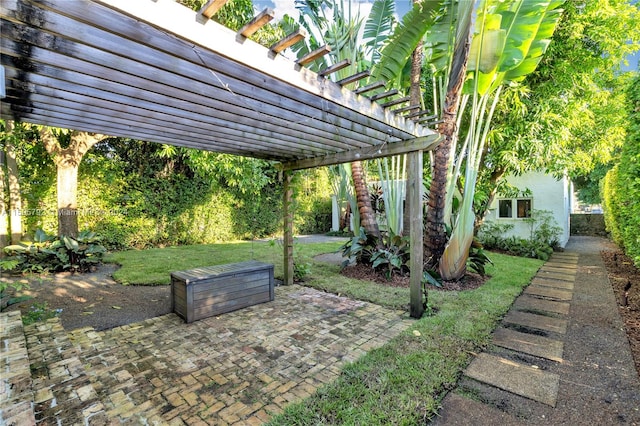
(522, 208)
(505, 208)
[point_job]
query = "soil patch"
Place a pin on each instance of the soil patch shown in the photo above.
(93, 299)
(625, 281)
(367, 273)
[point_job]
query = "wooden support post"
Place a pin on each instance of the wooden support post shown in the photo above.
(288, 228)
(414, 204)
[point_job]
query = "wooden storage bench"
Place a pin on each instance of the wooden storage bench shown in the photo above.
(213, 290)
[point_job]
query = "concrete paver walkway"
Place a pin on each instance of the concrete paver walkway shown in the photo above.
(560, 357)
(238, 368)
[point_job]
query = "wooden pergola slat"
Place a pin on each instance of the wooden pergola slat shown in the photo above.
(259, 21)
(313, 55)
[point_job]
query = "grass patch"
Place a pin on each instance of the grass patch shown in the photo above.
(154, 266)
(403, 382)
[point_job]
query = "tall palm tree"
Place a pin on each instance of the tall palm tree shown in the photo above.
(478, 46)
(341, 32)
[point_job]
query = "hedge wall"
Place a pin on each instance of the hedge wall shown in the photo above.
(621, 186)
(142, 205)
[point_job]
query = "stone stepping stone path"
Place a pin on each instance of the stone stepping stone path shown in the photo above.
(511, 376)
(532, 330)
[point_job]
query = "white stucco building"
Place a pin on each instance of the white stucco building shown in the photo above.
(546, 193)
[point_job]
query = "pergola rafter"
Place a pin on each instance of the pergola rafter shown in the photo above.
(155, 70)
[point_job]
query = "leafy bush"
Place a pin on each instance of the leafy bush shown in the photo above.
(621, 189)
(540, 245)
(48, 253)
(478, 259)
(389, 256)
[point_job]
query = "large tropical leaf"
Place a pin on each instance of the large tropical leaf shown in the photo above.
(540, 43)
(378, 27)
(406, 35)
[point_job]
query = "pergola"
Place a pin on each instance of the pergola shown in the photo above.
(157, 71)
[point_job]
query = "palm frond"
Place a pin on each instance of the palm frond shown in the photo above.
(406, 35)
(378, 27)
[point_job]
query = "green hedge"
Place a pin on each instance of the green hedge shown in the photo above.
(131, 210)
(621, 186)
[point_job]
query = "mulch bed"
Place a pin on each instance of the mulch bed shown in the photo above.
(365, 272)
(625, 281)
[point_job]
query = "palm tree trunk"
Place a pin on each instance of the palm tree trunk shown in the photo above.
(435, 236)
(367, 216)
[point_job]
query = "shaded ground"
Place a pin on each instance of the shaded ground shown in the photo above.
(95, 299)
(625, 281)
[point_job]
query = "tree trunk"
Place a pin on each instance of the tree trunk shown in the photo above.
(67, 161)
(4, 211)
(435, 235)
(413, 220)
(367, 216)
(67, 186)
(15, 200)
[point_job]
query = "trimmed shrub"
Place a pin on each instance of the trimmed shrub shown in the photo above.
(621, 186)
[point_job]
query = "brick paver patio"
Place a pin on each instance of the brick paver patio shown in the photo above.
(238, 368)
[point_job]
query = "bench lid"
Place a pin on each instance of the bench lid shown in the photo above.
(220, 270)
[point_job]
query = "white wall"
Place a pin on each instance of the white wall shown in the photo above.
(547, 193)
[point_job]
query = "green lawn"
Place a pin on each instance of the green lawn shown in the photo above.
(154, 266)
(401, 383)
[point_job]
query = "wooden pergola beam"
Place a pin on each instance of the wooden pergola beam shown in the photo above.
(313, 55)
(405, 109)
(334, 68)
(425, 143)
(353, 78)
(395, 102)
(259, 21)
(384, 95)
(211, 7)
(289, 40)
(369, 87)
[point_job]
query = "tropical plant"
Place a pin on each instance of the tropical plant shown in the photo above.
(341, 32)
(392, 173)
(47, 253)
(6, 299)
(507, 42)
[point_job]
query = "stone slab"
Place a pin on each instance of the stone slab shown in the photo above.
(457, 410)
(534, 303)
(523, 380)
(557, 270)
(558, 258)
(540, 322)
(531, 344)
(570, 266)
(556, 276)
(551, 293)
(564, 285)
